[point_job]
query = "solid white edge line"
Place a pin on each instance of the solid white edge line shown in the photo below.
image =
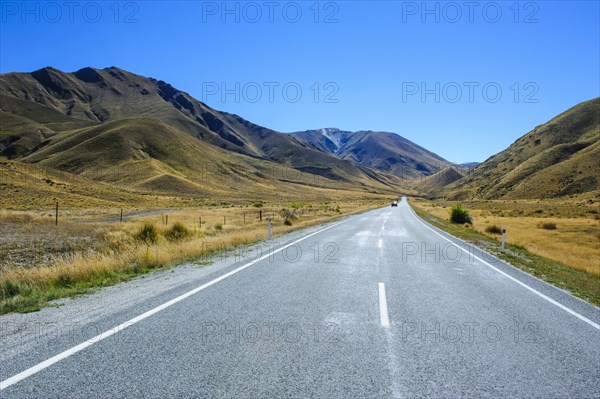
(547, 298)
(383, 309)
(69, 352)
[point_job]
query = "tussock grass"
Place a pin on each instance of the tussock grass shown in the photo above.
(178, 232)
(566, 257)
(123, 251)
(148, 234)
(575, 244)
(493, 229)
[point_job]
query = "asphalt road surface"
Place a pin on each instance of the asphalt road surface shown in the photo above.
(377, 305)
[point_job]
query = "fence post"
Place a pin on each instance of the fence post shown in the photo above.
(56, 218)
(260, 213)
(121, 218)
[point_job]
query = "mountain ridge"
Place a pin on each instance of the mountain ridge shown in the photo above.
(47, 113)
(560, 157)
(48, 116)
(384, 151)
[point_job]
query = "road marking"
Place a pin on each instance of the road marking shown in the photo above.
(547, 298)
(69, 352)
(383, 309)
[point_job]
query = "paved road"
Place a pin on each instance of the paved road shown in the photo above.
(377, 305)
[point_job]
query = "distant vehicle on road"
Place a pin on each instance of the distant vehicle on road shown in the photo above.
(394, 203)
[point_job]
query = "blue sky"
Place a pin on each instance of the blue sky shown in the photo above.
(462, 79)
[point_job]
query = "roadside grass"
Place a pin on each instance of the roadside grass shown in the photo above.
(119, 252)
(570, 236)
(581, 282)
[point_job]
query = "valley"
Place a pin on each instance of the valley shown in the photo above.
(100, 143)
(320, 199)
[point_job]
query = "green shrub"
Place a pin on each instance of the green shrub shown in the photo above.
(493, 229)
(549, 226)
(459, 215)
(218, 227)
(177, 232)
(148, 234)
(258, 204)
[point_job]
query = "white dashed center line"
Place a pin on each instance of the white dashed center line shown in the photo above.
(383, 309)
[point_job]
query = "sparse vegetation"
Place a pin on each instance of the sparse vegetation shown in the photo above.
(575, 241)
(560, 256)
(78, 256)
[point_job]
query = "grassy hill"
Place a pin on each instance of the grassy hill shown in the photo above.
(435, 184)
(559, 158)
(95, 96)
(142, 134)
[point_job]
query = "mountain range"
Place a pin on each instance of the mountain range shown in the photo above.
(115, 126)
(142, 134)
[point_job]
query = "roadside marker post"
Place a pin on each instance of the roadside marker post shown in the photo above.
(503, 235)
(269, 227)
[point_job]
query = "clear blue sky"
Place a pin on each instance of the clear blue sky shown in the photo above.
(372, 59)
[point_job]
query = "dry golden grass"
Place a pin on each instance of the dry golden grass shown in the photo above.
(111, 253)
(574, 243)
(29, 187)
